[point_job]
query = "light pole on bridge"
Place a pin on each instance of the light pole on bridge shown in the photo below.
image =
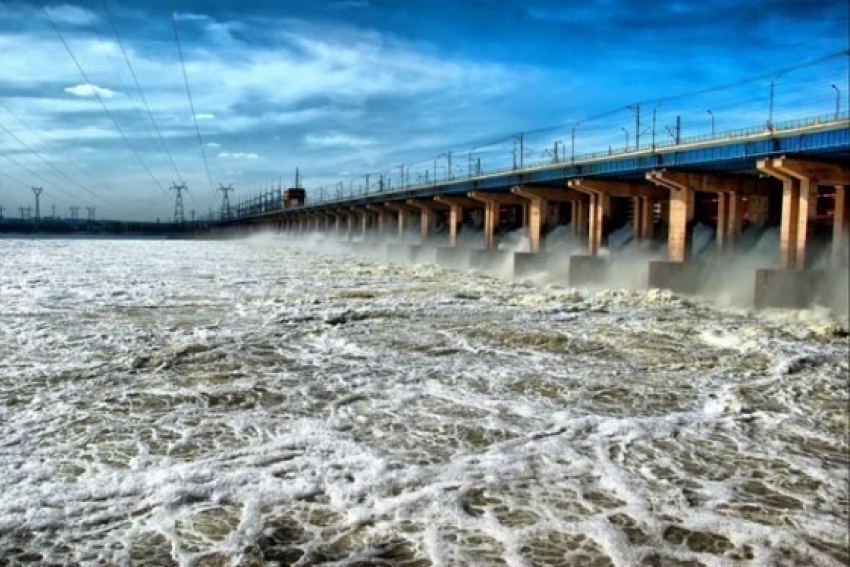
(710, 113)
(573, 142)
(636, 109)
(521, 139)
(654, 110)
(770, 103)
(563, 153)
(623, 128)
(837, 101)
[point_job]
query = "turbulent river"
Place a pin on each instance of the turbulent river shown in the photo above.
(250, 402)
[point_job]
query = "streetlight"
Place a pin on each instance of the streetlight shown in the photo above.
(573, 142)
(636, 109)
(654, 109)
(623, 128)
(563, 150)
(710, 113)
(770, 107)
(448, 156)
(837, 101)
(521, 140)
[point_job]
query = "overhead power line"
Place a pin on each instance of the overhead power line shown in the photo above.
(141, 91)
(100, 100)
(48, 145)
(41, 158)
(191, 102)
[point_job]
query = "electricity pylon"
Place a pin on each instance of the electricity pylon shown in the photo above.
(37, 191)
(179, 217)
(225, 201)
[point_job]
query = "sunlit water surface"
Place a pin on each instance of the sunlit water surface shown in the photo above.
(250, 403)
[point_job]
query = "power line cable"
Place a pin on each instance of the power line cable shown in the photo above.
(100, 100)
(141, 91)
(48, 145)
(41, 158)
(191, 102)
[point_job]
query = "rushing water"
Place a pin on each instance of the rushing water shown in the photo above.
(250, 403)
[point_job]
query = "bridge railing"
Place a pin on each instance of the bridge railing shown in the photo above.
(767, 130)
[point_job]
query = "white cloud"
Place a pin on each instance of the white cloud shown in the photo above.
(71, 15)
(336, 139)
(238, 155)
(205, 116)
(87, 89)
(213, 145)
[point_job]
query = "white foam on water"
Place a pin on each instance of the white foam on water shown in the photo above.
(259, 400)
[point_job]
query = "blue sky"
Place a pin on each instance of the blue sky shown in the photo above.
(344, 88)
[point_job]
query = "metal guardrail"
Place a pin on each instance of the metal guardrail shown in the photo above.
(778, 129)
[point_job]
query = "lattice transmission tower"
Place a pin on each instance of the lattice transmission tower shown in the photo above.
(179, 217)
(225, 200)
(37, 192)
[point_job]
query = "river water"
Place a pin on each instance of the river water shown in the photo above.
(251, 402)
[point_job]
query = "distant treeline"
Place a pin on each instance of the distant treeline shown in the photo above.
(106, 227)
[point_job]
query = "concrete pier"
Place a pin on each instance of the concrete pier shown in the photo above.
(492, 260)
(587, 270)
(458, 258)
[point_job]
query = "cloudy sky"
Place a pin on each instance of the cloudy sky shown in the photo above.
(94, 105)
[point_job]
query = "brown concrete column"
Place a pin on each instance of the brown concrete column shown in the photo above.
(841, 226)
(728, 190)
(456, 206)
(600, 192)
(733, 225)
(789, 224)
(805, 219)
(364, 219)
(681, 213)
(579, 218)
(600, 211)
(402, 221)
(428, 222)
(638, 220)
(800, 180)
(381, 213)
(491, 221)
(647, 206)
(539, 199)
(402, 216)
(722, 222)
(536, 214)
(428, 216)
(492, 207)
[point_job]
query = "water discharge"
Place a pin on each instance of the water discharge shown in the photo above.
(254, 402)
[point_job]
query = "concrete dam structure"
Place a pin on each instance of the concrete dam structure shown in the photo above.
(761, 213)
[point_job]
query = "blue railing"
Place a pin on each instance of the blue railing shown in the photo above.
(776, 130)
